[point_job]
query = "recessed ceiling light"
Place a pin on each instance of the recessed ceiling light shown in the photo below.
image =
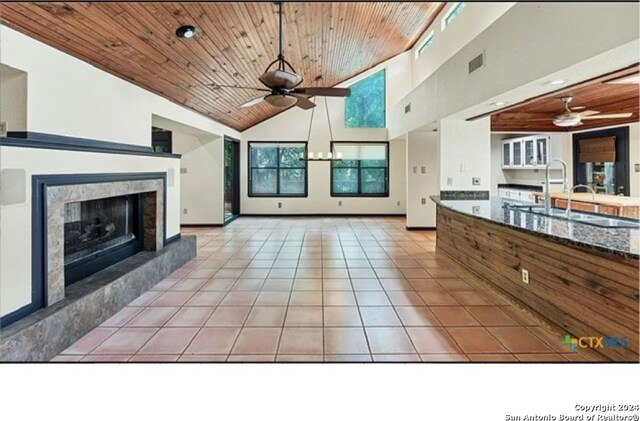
(186, 31)
(557, 82)
(498, 104)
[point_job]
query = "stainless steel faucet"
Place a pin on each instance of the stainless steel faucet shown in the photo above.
(565, 183)
(593, 197)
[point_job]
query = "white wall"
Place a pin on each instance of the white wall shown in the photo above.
(422, 152)
(522, 53)
(67, 96)
(465, 153)
(13, 98)
(202, 183)
(293, 125)
(474, 18)
(15, 218)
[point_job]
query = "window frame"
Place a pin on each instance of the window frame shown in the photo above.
(359, 168)
(428, 40)
(250, 167)
(456, 6)
(384, 100)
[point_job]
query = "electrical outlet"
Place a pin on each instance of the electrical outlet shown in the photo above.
(3, 128)
(449, 181)
(279, 204)
(184, 211)
(475, 210)
(398, 203)
(423, 200)
(475, 181)
(424, 170)
(525, 276)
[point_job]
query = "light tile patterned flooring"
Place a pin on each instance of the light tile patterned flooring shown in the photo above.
(319, 289)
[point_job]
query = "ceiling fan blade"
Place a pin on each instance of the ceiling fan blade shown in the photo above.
(619, 115)
(217, 86)
(252, 102)
(323, 91)
(280, 79)
(303, 102)
(586, 113)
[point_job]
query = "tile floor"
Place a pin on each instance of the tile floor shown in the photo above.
(319, 289)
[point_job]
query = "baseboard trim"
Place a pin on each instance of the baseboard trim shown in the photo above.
(324, 215)
(420, 228)
(200, 225)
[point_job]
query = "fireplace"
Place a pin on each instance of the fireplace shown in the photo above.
(99, 233)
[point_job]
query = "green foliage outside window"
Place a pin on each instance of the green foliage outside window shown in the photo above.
(277, 170)
(365, 108)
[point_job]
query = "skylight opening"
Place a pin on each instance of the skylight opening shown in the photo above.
(453, 12)
(425, 44)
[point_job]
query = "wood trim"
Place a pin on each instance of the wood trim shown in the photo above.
(580, 292)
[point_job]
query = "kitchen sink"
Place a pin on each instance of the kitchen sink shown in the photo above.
(585, 218)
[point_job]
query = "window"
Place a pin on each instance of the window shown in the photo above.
(363, 170)
(365, 108)
(453, 12)
(426, 43)
(275, 169)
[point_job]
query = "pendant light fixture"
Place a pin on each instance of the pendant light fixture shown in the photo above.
(320, 156)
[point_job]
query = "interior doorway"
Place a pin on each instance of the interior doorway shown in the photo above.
(231, 179)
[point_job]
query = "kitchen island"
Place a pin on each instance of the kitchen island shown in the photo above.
(581, 278)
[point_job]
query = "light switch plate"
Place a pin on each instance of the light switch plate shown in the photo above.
(424, 200)
(449, 181)
(183, 170)
(415, 170)
(424, 170)
(637, 167)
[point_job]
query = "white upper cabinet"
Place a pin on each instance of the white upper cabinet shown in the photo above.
(525, 152)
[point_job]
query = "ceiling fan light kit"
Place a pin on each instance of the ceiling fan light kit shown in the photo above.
(571, 118)
(281, 82)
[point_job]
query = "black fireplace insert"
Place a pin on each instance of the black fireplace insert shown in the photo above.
(99, 233)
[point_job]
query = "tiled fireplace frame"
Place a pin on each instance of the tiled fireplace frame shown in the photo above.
(49, 195)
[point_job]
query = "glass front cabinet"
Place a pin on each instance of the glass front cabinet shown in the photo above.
(525, 152)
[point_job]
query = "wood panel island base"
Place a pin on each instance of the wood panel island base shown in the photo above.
(582, 279)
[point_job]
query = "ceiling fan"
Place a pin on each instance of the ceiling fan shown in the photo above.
(571, 117)
(282, 83)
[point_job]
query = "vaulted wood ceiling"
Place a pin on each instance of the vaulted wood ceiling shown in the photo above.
(234, 44)
(604, 94)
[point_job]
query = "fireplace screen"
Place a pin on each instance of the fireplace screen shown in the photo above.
(94, 227)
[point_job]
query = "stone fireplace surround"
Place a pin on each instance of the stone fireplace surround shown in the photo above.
(57, 196)
(66, 314)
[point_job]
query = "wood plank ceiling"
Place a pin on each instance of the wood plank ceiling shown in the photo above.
(234, 43)
(604, 94)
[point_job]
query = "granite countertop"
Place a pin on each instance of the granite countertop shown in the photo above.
(520, 187)
(618, 241)
(602, 199)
